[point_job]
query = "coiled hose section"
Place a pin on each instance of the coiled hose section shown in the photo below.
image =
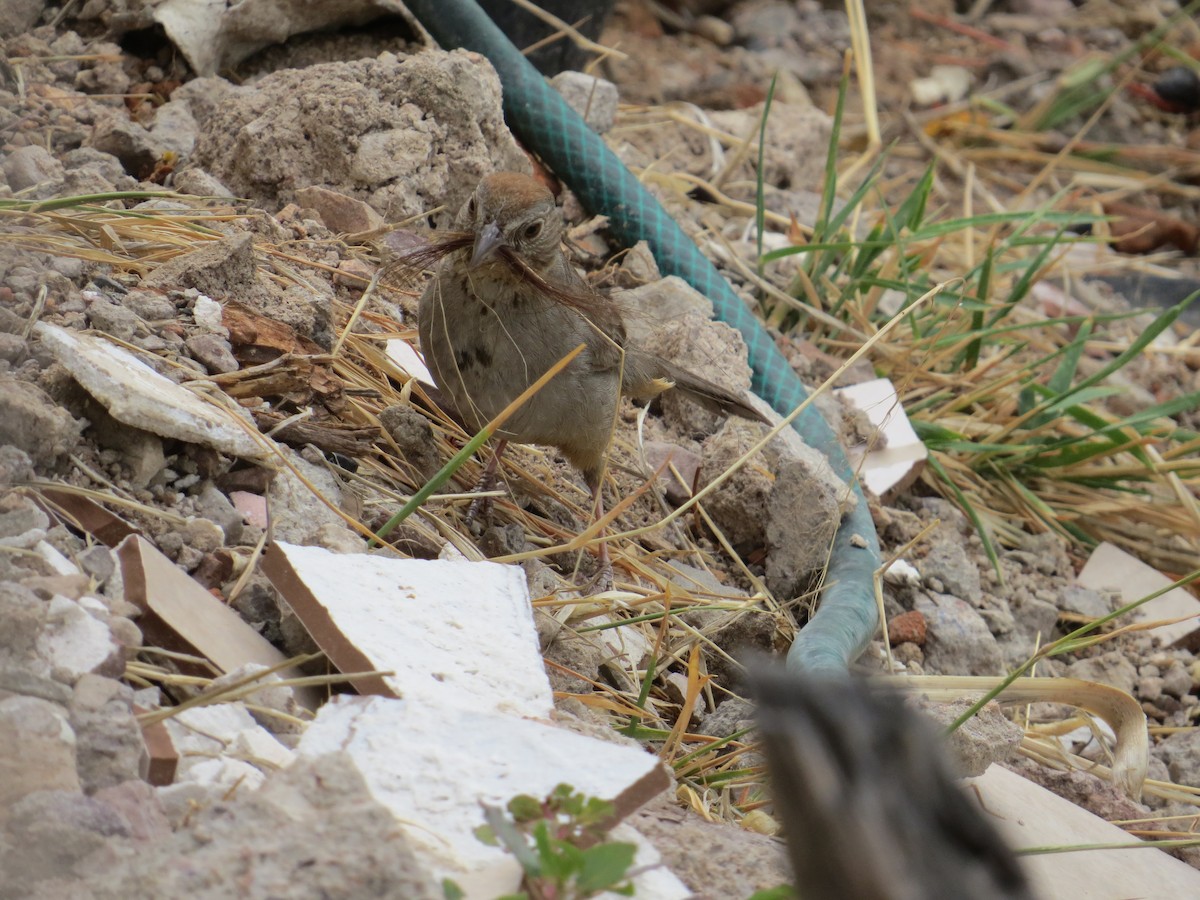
(846, 618)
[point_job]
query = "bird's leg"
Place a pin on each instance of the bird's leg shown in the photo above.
(603, 579)
(482, 505)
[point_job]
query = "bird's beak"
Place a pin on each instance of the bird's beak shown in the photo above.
(487, 242)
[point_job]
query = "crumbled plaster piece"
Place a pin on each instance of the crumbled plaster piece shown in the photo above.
(59, 563)
(257, 747)
(133, 393)
(76, 643)
(222, 732)
(459, 633)
(434, 766)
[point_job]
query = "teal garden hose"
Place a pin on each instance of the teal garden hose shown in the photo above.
(846, 618)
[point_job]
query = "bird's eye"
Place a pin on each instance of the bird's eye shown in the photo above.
(471, 207)
(532, 230)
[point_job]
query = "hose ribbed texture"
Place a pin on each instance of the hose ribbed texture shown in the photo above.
(846, 618)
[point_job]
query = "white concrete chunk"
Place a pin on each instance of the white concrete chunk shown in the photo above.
(456, 633)
(133, 393)
(897, 465)
(434, 766)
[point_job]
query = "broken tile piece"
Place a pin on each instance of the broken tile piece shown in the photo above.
(1111, 568)
(133, 393)
(434, 766)
(1031, 816)
(449, 632)
(164, 758)
(181, 615)
(896, 465)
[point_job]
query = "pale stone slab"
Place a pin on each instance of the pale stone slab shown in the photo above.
(133, 393)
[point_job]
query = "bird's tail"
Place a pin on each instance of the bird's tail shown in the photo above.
(647, 376)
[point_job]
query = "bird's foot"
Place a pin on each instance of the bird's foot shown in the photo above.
(602, 580)
(481, 506)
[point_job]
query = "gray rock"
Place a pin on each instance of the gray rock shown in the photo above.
(660, 300)
(197, 182)
(802, 518)
(947, 562)
(414, 437)
(316, 832)
(1110, 668)
(958, 640)
(22, 617)
(296, 514)
(1085, 601)
(797, 139)
(1181, 753)
(10, 322)
(220, 267)
(151, 307)
(215, 506)
(101, 165)
(19, 682)
(32, 422)
(1177, 680)
(595, 99)
(1149, 687)
(12, 348)
(112, 318)
(137, 803)
(987, 737)
(15, 465)
(50, 835)
(142, 454)
(97, 562)
(403, 134)
(734, 714)
(17, 17)
(28, 166)
(339, 213)
(109, 745)
(22, 522)
(129, 142)
(577, 657)
(1034, 624)
(212, 351)
(37, 750)
(174, 129)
